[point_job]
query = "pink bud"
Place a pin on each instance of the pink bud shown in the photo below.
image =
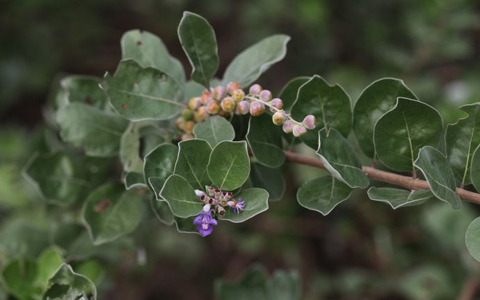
(277, 103)
(238, 95)
(242, 108)
(287, 126)
(255, 89)
(219, 93)
(266, 95)
(213, 108)
(256, 109)
(232, 86)
(278, 118)
(228, 104)
(185, 137)
(194, 103)
(310, 122)
(299, 130)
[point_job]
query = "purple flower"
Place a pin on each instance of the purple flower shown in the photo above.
(239, 206)
(205, 221)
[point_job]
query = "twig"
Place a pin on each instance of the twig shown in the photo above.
(469, 288)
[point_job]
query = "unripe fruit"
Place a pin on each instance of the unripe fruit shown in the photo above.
(187, 114)
(278, 118)
(179, 122)
(299, 130)
(238, 95)
(232, 86)
(188, 127)
(265, 95)
(206, 96)
(256, 109)
(219, 93)
(201, 114)
(287, 126)
(255, 89)
(194, 103)
(310, 122)
(213, 108)
(228, 104)
(243, 108)
(277, 103)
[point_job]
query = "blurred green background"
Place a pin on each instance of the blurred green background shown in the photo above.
(364, 249)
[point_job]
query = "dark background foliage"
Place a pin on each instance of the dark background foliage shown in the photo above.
(363, 249)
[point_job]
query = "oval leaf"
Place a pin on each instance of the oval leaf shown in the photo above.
(160, 164)
(401, 132)
(143, 94)
(475, 172)
(83, 89)
(214, 130)
(181, 197)
(110, 212)
(162, 211)
(192, 161)
(397, 198)
(252, 62)
(148, 50)
(256, 201)
(265, 141)
(229, 165)
(329, 104)
(200, 44)
(96, 131)
(377, 98)
(462, 138)
(434, 166)
(79, 286)
(19, 277)
(472, 238)
(270, 179)
(340, 159)
(323, 194)
(135, 180)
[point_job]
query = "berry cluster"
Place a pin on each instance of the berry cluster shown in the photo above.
(214, 203)
(233, 100)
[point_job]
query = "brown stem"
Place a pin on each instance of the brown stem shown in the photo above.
(469, 288)
(396, 179)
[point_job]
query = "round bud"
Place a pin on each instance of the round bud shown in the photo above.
(187, 114)
(194, 103)
(228, 104)
(242, 108)
(219, 93)
(213, 108)
(232, 86)
(287, 126)
(278, 118)
(256, 109)
(179, 122)
(185, 137)
(221, 210)
(206, 96)
(238, 95)
(277, 103)
(255, 89)
(310, 122)
(201, 114)
(265, 95)
(188, 127)
(299, 130)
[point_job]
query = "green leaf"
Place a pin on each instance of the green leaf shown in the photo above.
(192, 161)
(135, 180)
(160, 163)
(193, 89)
(340, 159)
(475, 171)
(80, 287)
(434, 166)
(19, 277)
(130, 143)
(48, 264)
(472, 238)
(65, 179)
(462, 138)
(256, 202)
(401, 132)
(265, 141)
(83, 89)
(148, 50)
(200, 45)
(289, 92)
(214, 130)
(181, 197)
(375, 100)
(269, 179)
(96, 131)
(22, 238)
(91, 269)
(284, 286)
(185, 225)
(397, 198)
(110, 212)
(162, 211)
(143, 94)
(255, 60)
(323, 194)
(329, 104)
(229, 165)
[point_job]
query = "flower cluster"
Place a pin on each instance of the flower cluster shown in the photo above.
(229, 100)
(215, 201)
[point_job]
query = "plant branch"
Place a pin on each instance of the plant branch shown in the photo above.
(384, 176)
